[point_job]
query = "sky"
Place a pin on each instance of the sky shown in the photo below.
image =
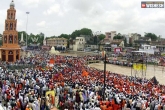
(54, 17)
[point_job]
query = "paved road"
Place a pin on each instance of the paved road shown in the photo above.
(159, 72)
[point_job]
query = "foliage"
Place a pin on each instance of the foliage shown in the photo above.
(151, 35)
(118, 36)
(83, 31)
(101, 37)
(40, 37)
(66, 36)
(125, 42)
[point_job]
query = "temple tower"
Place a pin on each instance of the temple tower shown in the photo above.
(10, 50)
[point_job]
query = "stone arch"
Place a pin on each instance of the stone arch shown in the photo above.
(5, 39)
(3, 52)
(15, 39)
(9, 15)
(11, 26)
(10, 52)
(10, 38)
(7, 25)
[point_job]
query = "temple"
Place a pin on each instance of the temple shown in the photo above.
(10, 50)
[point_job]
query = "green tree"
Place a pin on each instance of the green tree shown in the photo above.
(66, 36)
(125, 42)
(118, 36)
(101, 37)
(83, 31)
(151, 35)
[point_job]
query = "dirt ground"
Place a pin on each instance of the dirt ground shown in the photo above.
(159, 71)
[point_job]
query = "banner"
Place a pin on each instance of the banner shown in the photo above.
(50, 92)
(139, 66)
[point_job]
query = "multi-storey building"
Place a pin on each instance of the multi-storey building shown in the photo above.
(79, 43)
(110, 35)
(56, 42)
(10, 50)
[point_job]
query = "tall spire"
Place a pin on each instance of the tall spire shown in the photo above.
(12, 3)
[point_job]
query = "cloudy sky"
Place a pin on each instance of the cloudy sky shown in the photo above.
(54, 17)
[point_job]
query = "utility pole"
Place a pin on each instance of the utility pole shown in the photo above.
(26, 29)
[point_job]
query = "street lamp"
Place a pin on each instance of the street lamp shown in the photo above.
(104, 74)
(26, 28)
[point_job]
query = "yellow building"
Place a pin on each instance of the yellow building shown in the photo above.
(56, 42)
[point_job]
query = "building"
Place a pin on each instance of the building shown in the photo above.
(149, 49)
(110, 35)
(133, 37)
(79, 44)
(10, 50)
(56, 42)
(117, 43)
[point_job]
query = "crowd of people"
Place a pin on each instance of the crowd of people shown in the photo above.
(71, 84)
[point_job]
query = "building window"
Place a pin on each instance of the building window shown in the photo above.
(10, 39)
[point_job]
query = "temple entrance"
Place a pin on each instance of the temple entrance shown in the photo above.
(3, 57)
(10, 56)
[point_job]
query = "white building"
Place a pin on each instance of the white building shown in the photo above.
(79, 44)
(110, 35)
(148, 49)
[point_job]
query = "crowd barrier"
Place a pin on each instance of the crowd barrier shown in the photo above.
(93, 61)
(22, 66)
(121, 63)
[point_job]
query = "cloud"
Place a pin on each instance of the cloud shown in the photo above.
(54, 17)
(41, 24)
(55, 9)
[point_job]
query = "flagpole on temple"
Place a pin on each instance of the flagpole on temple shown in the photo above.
(104, 75)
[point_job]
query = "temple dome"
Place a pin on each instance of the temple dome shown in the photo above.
(12, 3)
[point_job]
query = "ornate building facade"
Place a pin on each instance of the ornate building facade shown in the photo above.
(10, 50)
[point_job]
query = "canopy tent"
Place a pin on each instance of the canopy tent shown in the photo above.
(1, 108)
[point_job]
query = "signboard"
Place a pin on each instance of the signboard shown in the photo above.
(117, 50)
(139, 66)
(152, 4)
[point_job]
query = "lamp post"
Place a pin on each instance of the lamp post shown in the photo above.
(104, 74)
(26, 29)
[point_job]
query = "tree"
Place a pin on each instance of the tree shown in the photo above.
(151, 35)
(125, 42)
(83, 31)
(118, 36)
(101, 37)
(66, 36)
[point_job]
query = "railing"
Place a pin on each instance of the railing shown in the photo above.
(93, 61)
(22, 66)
